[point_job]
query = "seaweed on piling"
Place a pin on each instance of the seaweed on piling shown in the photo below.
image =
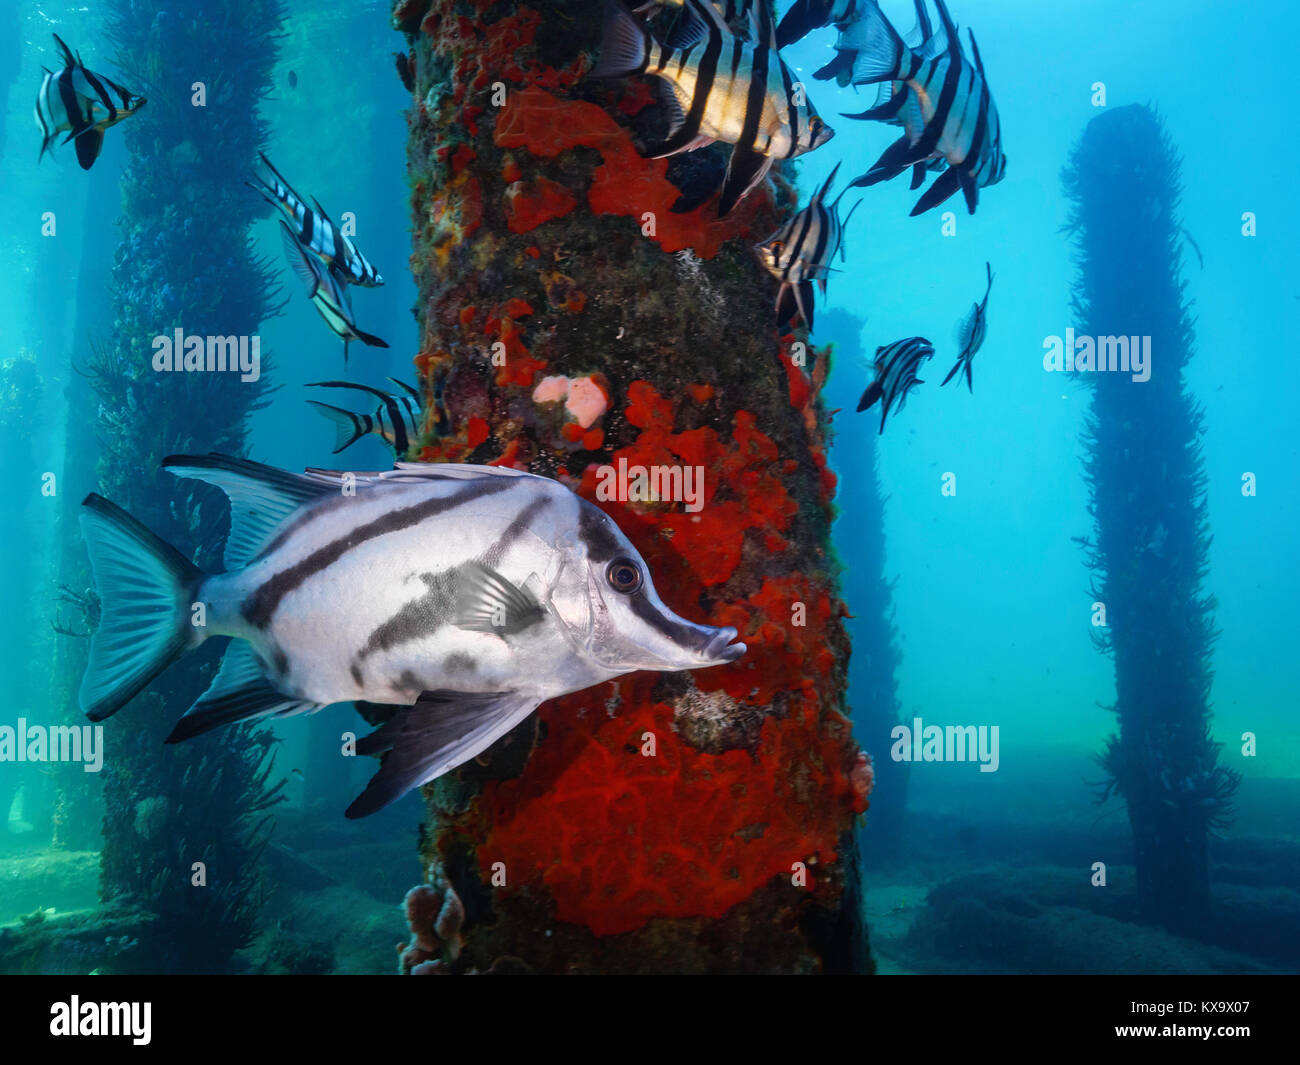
(1146, 477)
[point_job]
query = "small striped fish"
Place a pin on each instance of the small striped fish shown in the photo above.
(800, 252)
(396, 420)
(463, 595)
(315, 231)
(971, 331)
(327, 293)
(896, 366)
(718, 87)
(81, 103)
(946, 111)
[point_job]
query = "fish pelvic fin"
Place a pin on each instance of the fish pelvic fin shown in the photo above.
(442, 730)
(145, 589)
(240, 691)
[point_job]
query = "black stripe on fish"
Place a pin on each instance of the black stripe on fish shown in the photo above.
(261, 606)
(493, 555)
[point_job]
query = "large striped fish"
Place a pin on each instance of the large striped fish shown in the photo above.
(396, 420)
(947, 111)
(327, 293)
(800, 252)
(971, 331)
(316, 232)
(718, 87)
(896, 366)
(81, 103)
(465, 595)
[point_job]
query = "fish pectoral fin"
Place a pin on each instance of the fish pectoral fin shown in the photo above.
(441, 731)
(490, 603)
(239, 692)
(298, 259)
(745, 169)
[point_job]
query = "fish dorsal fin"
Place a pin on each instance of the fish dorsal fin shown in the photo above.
(68, 58)
(350, 384)
(299, 260)
(279, 177)
(321, 211)
(820, 195)
(409, 388)
(975, 51)
(261, 497)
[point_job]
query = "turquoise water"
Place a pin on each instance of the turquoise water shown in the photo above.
(990, 591)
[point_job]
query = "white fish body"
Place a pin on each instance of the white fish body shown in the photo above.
(466, 595)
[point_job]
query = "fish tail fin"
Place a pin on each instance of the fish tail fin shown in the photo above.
(955, 367)
(145, 589)
(348, 427)
(624, 45)
(880, 50)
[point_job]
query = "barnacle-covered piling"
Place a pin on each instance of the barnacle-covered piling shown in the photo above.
(1147, 480)
(576, 326)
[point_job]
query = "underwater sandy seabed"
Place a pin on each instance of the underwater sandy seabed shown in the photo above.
(994, 878)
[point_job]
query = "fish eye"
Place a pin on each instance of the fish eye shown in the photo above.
(777, 247)
(624, 576)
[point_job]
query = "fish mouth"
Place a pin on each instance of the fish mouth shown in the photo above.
(720, 649)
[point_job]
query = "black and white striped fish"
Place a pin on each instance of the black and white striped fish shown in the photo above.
(396, 420)
(800, 252)
(464, 595)
(718, 87)
(327, 293)
(81, 103)
(947, 111)
(971, 331)
(896, 366)
(315, 231)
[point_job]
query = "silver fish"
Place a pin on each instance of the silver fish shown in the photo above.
(314, 231)
(947, 110)
(971, 331)
(328, 294)
(466, 595)
(81, 103)
(800, 252)
(396, 420)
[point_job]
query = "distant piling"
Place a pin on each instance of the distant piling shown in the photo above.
(1148, 550)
